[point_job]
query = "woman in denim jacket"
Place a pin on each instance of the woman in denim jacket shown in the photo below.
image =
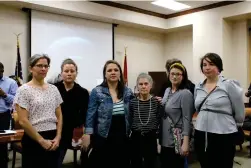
(107, 120)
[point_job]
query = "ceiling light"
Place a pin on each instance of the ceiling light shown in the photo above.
(171, 4)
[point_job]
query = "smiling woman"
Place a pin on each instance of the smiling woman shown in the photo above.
(108, 120)
(176, 122)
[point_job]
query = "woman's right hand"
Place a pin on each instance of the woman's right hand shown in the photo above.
(86, 140)
(46, 144)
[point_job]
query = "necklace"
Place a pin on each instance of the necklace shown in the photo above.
(149, 114)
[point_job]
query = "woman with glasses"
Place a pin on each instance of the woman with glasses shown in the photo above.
(145, 114)
(38, 106)
(176, 122)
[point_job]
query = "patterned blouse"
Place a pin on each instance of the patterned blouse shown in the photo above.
(41, 105)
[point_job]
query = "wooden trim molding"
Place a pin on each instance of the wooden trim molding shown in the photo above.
(164, 16)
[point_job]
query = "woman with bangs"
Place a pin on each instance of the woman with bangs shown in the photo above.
(175, 127)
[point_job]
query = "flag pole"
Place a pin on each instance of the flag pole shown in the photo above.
(17, 35)
(125, 50)
(125, 69)
(18, 68)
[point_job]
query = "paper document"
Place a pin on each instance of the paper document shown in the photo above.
(7, 132)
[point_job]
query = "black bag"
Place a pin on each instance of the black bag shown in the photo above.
(239, 136)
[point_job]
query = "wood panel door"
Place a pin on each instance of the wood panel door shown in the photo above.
(159, 83)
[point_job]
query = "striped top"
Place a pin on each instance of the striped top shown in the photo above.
(118, 108)
(145, 114)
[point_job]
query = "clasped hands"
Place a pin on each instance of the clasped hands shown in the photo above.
(50, 145)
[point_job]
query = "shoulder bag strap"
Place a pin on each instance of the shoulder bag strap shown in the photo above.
(206, 98)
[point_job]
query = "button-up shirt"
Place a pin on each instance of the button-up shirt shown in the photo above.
(9, 86)
(222, 109)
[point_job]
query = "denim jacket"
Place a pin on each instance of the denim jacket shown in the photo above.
(100, 108)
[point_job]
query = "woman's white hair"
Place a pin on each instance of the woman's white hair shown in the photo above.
(145, 76)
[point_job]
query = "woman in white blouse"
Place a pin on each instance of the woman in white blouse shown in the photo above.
(38, 107)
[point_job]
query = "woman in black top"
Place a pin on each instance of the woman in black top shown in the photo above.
(74, 106)
(145, 115)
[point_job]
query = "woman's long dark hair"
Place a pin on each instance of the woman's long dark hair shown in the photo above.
(121, 84)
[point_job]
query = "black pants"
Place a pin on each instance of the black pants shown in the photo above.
(220, 149)
(62, 153)
(143, 149)
(169, 159)
(113, 151)
(34, 155)
(4, 125)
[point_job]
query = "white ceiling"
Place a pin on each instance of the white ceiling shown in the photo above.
(150, 7)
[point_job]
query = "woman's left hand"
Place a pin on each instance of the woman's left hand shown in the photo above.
(55, 143)
(185, 149)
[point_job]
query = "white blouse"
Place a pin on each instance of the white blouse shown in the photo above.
(41, 105)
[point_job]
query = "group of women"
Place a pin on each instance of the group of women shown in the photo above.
(122, 129)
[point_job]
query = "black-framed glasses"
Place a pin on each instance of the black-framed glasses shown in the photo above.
(42, 66)
(175, 74)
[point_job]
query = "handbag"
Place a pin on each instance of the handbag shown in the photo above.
(239, 136)
(177, 136)
(177, 132)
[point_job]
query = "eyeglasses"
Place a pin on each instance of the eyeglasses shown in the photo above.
(175, 74)
(42, 66)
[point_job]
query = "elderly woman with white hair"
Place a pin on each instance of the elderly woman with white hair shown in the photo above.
(145, 114)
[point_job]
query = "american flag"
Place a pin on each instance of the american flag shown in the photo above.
(18, 69)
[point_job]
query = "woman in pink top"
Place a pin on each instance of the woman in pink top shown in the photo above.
(38, 107)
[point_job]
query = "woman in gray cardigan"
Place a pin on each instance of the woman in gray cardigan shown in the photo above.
(176, 121)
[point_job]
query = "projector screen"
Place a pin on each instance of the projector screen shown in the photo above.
(88, 43)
